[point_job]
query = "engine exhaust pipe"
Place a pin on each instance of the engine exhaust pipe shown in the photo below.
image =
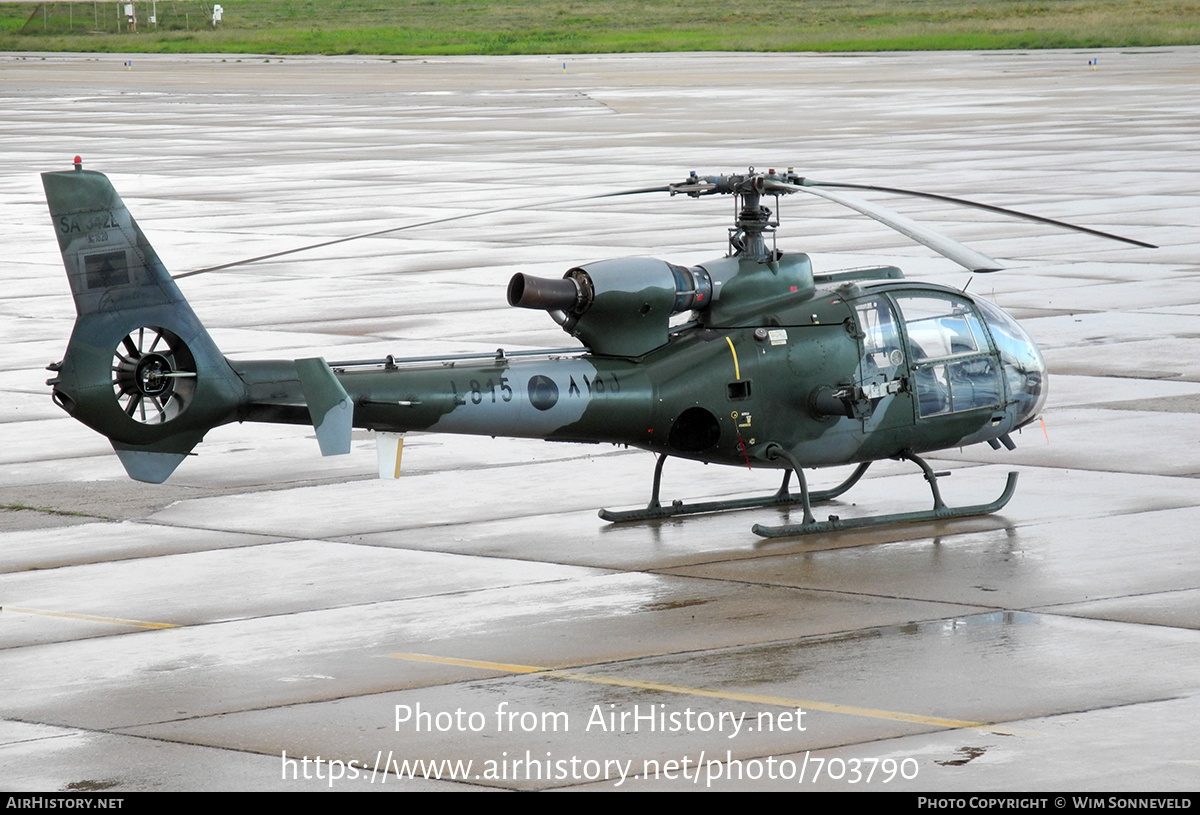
(527, 291)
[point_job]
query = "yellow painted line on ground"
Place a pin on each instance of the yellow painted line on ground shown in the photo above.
(471, 663)
(737, 371)
(805, 704)
(91, 618)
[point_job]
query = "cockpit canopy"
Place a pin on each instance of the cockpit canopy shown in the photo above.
(962, 353)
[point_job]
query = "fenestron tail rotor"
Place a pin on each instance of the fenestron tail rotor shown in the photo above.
(153, 375)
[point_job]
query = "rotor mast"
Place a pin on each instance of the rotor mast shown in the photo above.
(752, 221)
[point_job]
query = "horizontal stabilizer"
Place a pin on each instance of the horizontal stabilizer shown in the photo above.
(329, 405)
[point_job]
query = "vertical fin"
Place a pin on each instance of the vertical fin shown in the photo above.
(110, 263)
(139, 368)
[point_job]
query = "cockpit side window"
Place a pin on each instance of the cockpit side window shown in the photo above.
(881, 338)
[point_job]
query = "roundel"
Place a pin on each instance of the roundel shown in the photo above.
(543, 393)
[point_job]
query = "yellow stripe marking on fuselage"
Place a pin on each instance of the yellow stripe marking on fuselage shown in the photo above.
(737, 371)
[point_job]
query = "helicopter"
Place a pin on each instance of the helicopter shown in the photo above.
(751, 360)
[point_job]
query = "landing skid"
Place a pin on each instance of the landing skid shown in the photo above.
(782, 497)
(939, 512)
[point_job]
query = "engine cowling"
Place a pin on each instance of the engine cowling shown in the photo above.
(618, 308)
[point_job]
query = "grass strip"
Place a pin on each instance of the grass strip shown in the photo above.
(457, 27)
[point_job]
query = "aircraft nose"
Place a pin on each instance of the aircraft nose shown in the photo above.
(1024, 368)
(1029, 385)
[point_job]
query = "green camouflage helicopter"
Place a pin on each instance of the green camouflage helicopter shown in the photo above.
(776, 366)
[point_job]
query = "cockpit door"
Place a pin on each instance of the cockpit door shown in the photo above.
(883, 367)
(952, 364)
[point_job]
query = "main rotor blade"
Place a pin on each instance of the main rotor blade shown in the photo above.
(389, 230)
(987, 207)
(955, 251)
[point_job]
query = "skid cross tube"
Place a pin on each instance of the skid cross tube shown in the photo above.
(781, 497)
